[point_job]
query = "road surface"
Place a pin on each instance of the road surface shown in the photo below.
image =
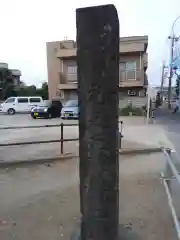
(171, 124)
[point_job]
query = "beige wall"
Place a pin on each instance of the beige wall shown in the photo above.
(61, 55)
(69, 78)
(54, 68)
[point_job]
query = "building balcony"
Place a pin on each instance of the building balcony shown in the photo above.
(145, 60)
(123, 48)
(67, 81)
(67, 86)
(134, 78)
(66, 53)
(131, 47)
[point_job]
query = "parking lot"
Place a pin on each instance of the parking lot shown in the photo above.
(34, 134)
(42, 201)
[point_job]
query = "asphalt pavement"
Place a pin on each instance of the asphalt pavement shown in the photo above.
(171, 124)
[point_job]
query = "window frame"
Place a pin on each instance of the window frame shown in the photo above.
(131, 69)
(21, 99)
(124, 68)
(73, 70)
(10, 99)
(35, 101)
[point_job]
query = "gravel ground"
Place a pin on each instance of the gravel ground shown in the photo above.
(134, 129)
(42, 202)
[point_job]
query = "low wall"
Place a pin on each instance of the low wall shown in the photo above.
(136, 101)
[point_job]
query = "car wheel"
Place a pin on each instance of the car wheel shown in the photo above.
(11, 111)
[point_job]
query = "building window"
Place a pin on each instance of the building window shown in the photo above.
(127, 70)
(131, 70)
(130, 65)
(72, 70)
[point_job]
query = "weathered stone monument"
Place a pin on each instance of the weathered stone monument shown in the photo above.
(98, 78)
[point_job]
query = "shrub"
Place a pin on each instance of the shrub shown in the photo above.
(131, 110)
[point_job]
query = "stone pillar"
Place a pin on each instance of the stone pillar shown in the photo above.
(98, 78)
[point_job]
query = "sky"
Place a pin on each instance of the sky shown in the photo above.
(26, 26)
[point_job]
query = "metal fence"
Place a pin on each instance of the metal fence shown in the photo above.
(61, 140)
(171, 173)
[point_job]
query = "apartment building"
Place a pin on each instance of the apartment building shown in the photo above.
(62, 68)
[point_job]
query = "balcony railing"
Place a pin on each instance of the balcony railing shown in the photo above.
(131, 78)
(130, 75)
(72, 78)
(126, 78)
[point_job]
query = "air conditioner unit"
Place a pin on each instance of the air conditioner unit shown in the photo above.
(132, 93)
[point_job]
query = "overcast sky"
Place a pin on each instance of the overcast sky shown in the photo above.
(26, 26)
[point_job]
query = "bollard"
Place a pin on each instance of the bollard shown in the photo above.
(120, 140)
(121, 122)
(62, 138)
(120, 136)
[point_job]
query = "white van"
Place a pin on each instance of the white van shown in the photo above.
(14, 105)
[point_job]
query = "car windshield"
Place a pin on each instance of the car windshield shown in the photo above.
(72, 103)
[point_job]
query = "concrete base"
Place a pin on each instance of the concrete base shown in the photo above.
(125, 232)
(150, 121)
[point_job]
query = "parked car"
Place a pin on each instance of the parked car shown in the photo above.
(14, 105)
(51, 109)
(70, 110)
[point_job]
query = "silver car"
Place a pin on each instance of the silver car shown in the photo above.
(70, 110)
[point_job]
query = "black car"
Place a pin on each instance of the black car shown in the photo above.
(51, 109)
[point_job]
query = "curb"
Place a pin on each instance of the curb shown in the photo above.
(20, 163)
(140, 151)
(71, 156)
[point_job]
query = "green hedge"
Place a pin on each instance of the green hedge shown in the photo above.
(131, 110)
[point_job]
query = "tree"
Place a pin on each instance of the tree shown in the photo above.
(43, 91)
(6, 83)
(9, 90)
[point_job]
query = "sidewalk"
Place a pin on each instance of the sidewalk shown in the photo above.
(151, 135)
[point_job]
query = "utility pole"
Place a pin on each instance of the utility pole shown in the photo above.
(171, 68)
(162, 79)
(173, 40)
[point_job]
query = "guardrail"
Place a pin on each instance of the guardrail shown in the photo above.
(170, 167)
(61, 140)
